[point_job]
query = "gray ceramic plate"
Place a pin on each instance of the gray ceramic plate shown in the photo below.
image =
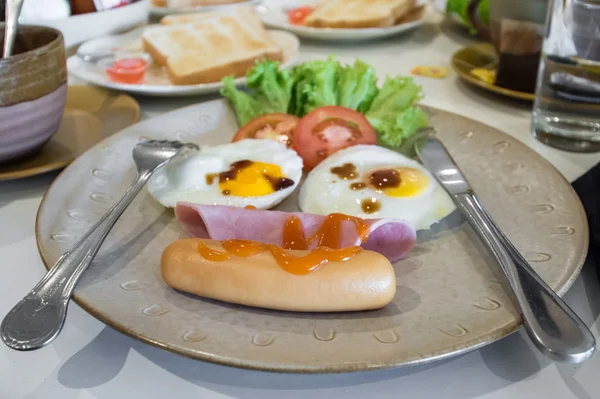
(449, 298)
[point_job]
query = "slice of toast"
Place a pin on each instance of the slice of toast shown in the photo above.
(359, 13)
(211, 48)
(159, 3)
(245, 13)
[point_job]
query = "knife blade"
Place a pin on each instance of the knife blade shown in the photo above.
(438, 161)
(551, 325)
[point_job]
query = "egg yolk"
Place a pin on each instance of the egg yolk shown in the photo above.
(399, 182)
(255, 179)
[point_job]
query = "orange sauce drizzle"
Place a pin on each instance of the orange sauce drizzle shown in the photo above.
(244, 248)
(250, 207)
(328, 235)
(312, 261)
(328, 238)
(293, 234)
(211, 254)
(290, 263)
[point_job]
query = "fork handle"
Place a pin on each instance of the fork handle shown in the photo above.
(552, 326)
(38, 318)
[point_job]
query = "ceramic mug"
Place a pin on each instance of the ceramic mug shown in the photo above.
(533, 11)
(33, 90)
(516, 29)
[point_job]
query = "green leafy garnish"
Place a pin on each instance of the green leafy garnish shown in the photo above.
(393, 113)
(391, 110)
(271, 91)
(316, 85)
(358, 86)
(459, 8)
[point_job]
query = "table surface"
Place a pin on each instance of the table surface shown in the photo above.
(90, 360)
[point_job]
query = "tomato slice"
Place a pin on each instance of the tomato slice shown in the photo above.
(297, 16)
(329, 129)
(278, 127)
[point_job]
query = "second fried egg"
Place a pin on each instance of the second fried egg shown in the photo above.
(373, 182)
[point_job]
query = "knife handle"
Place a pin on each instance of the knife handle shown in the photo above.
(552, 326)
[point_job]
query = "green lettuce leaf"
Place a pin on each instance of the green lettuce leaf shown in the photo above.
(245, 106)
(393, 113)
(459, 8)
(316, 85)
(270, 90)
(357, 86)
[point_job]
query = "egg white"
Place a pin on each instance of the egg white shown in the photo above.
(184, 178)
(324, 192)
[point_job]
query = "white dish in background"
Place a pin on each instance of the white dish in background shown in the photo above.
(163, 11)
(157, 80)
(80, 28)
(273, 14)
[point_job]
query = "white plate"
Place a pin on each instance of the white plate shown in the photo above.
(273, 14)
(163, 11)
(157, 82)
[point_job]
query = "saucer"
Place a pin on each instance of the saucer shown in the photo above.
(482, 56)
(91, 114)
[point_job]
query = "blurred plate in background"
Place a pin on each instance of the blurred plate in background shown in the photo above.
(156, 80)
(273, 14)
(158, 11)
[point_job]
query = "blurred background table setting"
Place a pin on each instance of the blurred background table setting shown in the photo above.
(512, 88)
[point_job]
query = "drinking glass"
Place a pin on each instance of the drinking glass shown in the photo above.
(566, 112)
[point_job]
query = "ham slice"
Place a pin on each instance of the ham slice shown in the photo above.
(393, 238)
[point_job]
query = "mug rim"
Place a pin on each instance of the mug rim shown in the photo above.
(58, 40)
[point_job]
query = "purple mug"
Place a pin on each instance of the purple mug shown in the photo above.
(33, 90)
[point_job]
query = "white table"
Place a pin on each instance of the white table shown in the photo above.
(89, 360)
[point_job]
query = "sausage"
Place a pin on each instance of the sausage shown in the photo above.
(363, 282)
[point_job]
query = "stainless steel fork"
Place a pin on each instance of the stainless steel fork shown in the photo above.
(39, 317)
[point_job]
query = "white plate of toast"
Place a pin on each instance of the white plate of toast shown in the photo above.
(186, 56)
(161, 8)
(345, 20)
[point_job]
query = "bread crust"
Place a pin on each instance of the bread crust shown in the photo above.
(158, 57)
(237, 69)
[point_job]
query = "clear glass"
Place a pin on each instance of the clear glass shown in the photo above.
(566, 112)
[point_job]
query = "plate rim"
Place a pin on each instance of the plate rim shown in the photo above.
(39, 170)
(478, 342)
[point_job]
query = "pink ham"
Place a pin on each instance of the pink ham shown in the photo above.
(393, 238)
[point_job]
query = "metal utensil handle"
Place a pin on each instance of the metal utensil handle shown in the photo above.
(552, 326)
(40, 315)
(13, 9)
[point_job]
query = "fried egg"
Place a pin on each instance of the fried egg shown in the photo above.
(373, 182)
(261, 173)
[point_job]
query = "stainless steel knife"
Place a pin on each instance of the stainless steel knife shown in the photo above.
(552, 326)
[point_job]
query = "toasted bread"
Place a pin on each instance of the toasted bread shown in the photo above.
(160, 3)
(211, 48)
(359, 13)
(245, 13)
